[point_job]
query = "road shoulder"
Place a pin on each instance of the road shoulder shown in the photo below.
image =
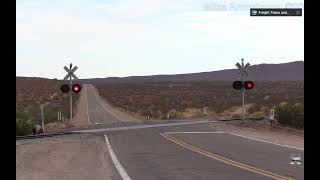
(258, 130)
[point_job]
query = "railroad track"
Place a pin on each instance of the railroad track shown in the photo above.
(248, 118)
(43, 135)
(66, 133)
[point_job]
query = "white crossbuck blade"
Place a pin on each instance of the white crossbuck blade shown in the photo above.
(239, 66)
(242, 69)
(70, 73)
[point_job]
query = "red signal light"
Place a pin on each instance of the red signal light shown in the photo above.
(76, 88)
(248, 85)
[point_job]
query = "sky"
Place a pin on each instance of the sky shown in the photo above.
(119, 38)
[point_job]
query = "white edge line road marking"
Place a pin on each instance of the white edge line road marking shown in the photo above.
(266, 141)
(116, 162)
(236, 135)
(87, 104)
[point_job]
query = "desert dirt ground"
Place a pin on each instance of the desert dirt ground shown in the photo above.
(80, 157)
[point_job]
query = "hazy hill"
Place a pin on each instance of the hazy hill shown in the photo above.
(292, 71)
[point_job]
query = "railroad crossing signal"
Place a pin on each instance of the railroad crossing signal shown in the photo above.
(237, 85)
(65, 88)
(242, 85)
(75, 88)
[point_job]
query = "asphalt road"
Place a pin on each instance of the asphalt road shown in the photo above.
(153, 153)
(145, 154)
(149, 151)
(97, 113)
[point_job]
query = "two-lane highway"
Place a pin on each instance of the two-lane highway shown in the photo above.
(196, 152)
(147, 154)
(97, 113)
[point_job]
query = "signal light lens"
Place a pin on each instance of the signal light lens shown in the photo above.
(248, 85)
(76, 88)
(65, 88)
(237, 85)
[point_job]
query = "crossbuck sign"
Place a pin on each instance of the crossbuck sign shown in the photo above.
(70, 72)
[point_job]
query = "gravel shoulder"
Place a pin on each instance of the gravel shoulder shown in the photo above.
(80, 157)
(262, 130)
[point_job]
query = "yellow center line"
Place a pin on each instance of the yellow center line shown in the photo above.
(225, 160)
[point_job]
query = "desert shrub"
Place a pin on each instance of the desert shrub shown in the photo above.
(23, 127)
(157, 98)
(174, 114)
(157, 114)
(290, 115)
(251, 109)
(51, 116)
(21, 115)
(32, 92)
(236, 116)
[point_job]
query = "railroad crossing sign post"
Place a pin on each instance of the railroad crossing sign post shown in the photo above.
(272, 119)
(272, 114)
(42, 116)
(69, 76)
(242, 68)
(205, 111)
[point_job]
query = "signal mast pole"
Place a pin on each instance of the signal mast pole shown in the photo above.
(243, 72)
(242, 116)
(69, 76)
(70, 94)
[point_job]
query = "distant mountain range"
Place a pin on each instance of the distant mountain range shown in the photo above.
(292, 71)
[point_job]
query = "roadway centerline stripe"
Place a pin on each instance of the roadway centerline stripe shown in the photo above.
(225, 160)
(265, 141)
(217, 132)
(116, 162)
(87, 104)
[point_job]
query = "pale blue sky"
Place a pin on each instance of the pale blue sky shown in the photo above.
(144, 37)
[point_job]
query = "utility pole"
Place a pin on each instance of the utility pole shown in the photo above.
(243, 72)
